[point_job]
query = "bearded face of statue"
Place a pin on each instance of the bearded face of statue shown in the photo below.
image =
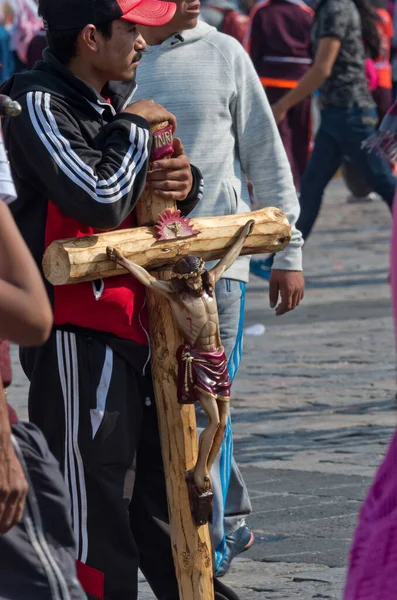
(195, 283)
(191, 276)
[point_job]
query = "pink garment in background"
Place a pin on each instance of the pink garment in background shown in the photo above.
(22, 23)
(393, 266)
(371, 74)
(372, 573)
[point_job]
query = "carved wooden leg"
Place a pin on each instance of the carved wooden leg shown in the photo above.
(201, 472)
(223, 410)
(198, 479)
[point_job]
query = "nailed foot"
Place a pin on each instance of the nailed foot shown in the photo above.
(203, 482)
(200, 501)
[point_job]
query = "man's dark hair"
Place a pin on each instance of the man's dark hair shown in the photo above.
(63, 44)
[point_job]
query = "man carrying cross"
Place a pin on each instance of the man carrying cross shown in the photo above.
(79, 154)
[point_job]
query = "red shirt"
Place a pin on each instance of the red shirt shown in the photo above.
(114, 305)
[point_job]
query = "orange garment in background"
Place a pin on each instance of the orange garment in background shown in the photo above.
(279, 44)
(278, 41)
(382, 63)
(383, 94)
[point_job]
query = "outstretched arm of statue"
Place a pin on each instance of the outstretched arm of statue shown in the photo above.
(233, 253)
(162, 287)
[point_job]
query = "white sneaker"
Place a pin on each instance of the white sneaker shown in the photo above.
(371, 197)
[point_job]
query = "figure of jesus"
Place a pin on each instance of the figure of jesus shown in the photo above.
(202, 364)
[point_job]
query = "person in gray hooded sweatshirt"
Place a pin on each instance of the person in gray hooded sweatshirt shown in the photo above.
(224, 119)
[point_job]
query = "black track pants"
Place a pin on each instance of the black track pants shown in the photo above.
(99, 416)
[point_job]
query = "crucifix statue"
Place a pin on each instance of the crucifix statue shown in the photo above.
(183, 315)
(202, 364)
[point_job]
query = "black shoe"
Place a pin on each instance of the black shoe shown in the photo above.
(236, 543)
(222, 592)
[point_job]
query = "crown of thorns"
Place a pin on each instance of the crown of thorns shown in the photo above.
(200, 269)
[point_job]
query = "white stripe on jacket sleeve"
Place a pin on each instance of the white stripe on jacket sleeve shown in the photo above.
(105, 190)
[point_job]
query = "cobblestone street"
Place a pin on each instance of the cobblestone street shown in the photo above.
(313, 407)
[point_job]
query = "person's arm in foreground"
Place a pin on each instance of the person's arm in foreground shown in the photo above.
(13, 485)
(327, 52)
(25, 318)
(264, 161)
(25, 312)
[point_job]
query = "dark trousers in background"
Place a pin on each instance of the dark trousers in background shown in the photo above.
(295, 131)
(383, 98)
(394, 91)
(37, 556)
(342, 132)
(354, 183)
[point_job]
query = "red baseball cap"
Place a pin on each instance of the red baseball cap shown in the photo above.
(70, 15)
(152, 13)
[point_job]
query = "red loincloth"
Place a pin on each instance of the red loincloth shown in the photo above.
(204, 372)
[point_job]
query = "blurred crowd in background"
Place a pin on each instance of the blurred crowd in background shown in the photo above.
(22, 36)
(262, 32)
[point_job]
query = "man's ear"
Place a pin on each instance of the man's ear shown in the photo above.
(89, 36)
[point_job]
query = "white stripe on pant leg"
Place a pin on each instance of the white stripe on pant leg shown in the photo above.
(29, 525)
(98, 413)
(69, 467)
(73, 483)
(62, 377)
(37, 535)
(79, 460)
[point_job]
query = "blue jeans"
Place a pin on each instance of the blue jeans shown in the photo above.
(341, 134)
(231, 504)
(394, 91)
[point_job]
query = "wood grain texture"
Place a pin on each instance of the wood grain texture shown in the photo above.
(84, 259)
(191, 545)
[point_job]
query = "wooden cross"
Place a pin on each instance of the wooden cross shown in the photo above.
(85, 259)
